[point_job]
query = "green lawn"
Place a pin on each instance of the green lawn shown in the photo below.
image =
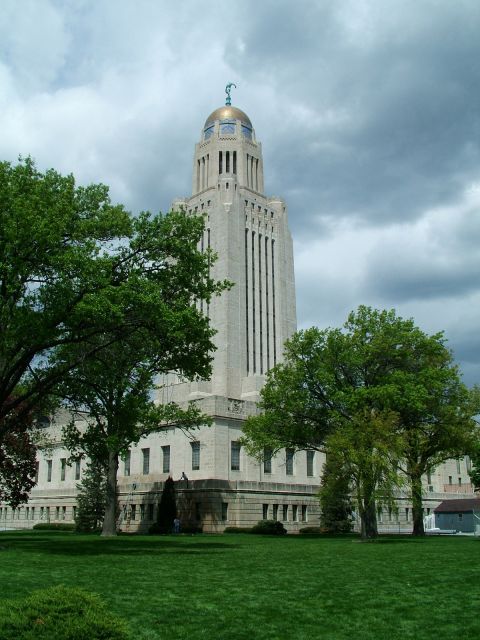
(247, 587)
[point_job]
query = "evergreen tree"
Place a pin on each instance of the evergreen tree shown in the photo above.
(167, 508)
(91, 498)
(335, 496)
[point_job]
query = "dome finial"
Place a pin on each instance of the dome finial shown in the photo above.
(228, 88)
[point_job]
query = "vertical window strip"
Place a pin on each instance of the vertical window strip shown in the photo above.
(234, 162)
(254, 336)
(248, 170)
(208, 247)
(227, 161)
(208, 169)
(267, 318)
(256, 174)
(220, 162)
(198, 175)
(273, 307)
(260, 305)
(246, 302)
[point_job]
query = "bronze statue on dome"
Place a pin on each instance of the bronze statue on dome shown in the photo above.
(228, 88)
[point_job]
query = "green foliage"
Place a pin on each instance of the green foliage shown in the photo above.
(54, 526)
(336, 588)
(237, 530)
(17, 459)
(380, 375)
(475, 470)
(167, 509)
(335, 500)
(310, 531)
(91, 498)
(269, 528)
(59, 613)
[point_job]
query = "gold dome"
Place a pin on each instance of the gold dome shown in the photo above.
(228, 113)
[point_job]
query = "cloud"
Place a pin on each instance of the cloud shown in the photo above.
(367, 112)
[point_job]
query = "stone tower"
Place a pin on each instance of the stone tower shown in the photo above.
(249, 233)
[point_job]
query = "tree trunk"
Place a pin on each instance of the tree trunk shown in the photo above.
(110, 520)
(368, 511)
(417, 511)
(369, 521)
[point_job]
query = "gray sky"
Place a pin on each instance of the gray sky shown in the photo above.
(368, 111)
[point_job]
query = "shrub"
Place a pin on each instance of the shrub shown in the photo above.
(269, 528)
(237, 530)
(312, 530)
(55, 526)
(59, 613)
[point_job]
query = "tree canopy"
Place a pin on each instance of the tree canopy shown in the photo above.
(377, 367)
(73, 266)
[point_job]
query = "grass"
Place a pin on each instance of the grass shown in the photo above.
(247, 587)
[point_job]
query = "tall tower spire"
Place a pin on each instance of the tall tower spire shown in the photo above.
(249, 233)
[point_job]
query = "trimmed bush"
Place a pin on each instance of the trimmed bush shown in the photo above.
(237, 530)
(55, 526)
(269, 528)
(59, 613)
(312, 530)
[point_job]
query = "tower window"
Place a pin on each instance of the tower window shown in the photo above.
(310, 459)
(234, 162)
(195, 455)
(227, 161)
(289, 461)
(235, 456)
(220, 162)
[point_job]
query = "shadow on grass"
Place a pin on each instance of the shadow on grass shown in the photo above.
(74, 545)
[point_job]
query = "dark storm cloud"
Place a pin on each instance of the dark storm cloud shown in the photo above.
(368, 112)
(406, 85)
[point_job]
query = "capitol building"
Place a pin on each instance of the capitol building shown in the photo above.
(217, 483)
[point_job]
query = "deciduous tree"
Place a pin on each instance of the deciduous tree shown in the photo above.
(332, 381)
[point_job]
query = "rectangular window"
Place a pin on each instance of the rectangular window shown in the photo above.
(42, 512)
(32, 513)
(166, 459)
(267, 460)
(224, 511)
(458, 466)
(77, 469)
(380, 514)
(64, 513)
(146, 461)
(407, 514)
(133, 512)
(304, 513)
(289, 462)
(150, 512)
(37, 467)
(265, 512)
(195, 455)
(74, 512)
(57, 513)
(49, 470)
(459, 481)
(449, 479)
(142, 512)
(294, 513)
(27, 516)
(126, 464)
(63, 466)
(310, 459)
(429, 477)
(285, 512)
(275, 511)
(235, 456)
